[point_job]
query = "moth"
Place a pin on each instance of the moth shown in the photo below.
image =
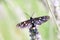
(33, 22)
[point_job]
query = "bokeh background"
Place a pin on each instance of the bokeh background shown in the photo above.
(13, 12)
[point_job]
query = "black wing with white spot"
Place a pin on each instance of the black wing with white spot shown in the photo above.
(36, 21)
(40, 20)
(24, 24)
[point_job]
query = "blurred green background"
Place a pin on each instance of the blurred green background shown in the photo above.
(15, 11)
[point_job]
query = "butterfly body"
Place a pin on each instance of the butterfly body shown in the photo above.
(32, 22)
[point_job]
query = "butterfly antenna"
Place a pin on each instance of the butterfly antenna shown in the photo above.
(27, 14)
(32, 14)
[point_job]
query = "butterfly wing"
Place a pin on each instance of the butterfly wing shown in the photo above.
(37, 21)
(24, 24)
(40, 20)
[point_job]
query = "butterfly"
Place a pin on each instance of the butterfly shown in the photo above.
(33, 22)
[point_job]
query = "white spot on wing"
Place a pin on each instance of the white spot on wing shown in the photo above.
(39, 18)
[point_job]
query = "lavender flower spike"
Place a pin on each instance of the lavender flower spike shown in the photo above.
(34, 34)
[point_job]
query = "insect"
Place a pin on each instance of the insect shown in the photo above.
(32, 22)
